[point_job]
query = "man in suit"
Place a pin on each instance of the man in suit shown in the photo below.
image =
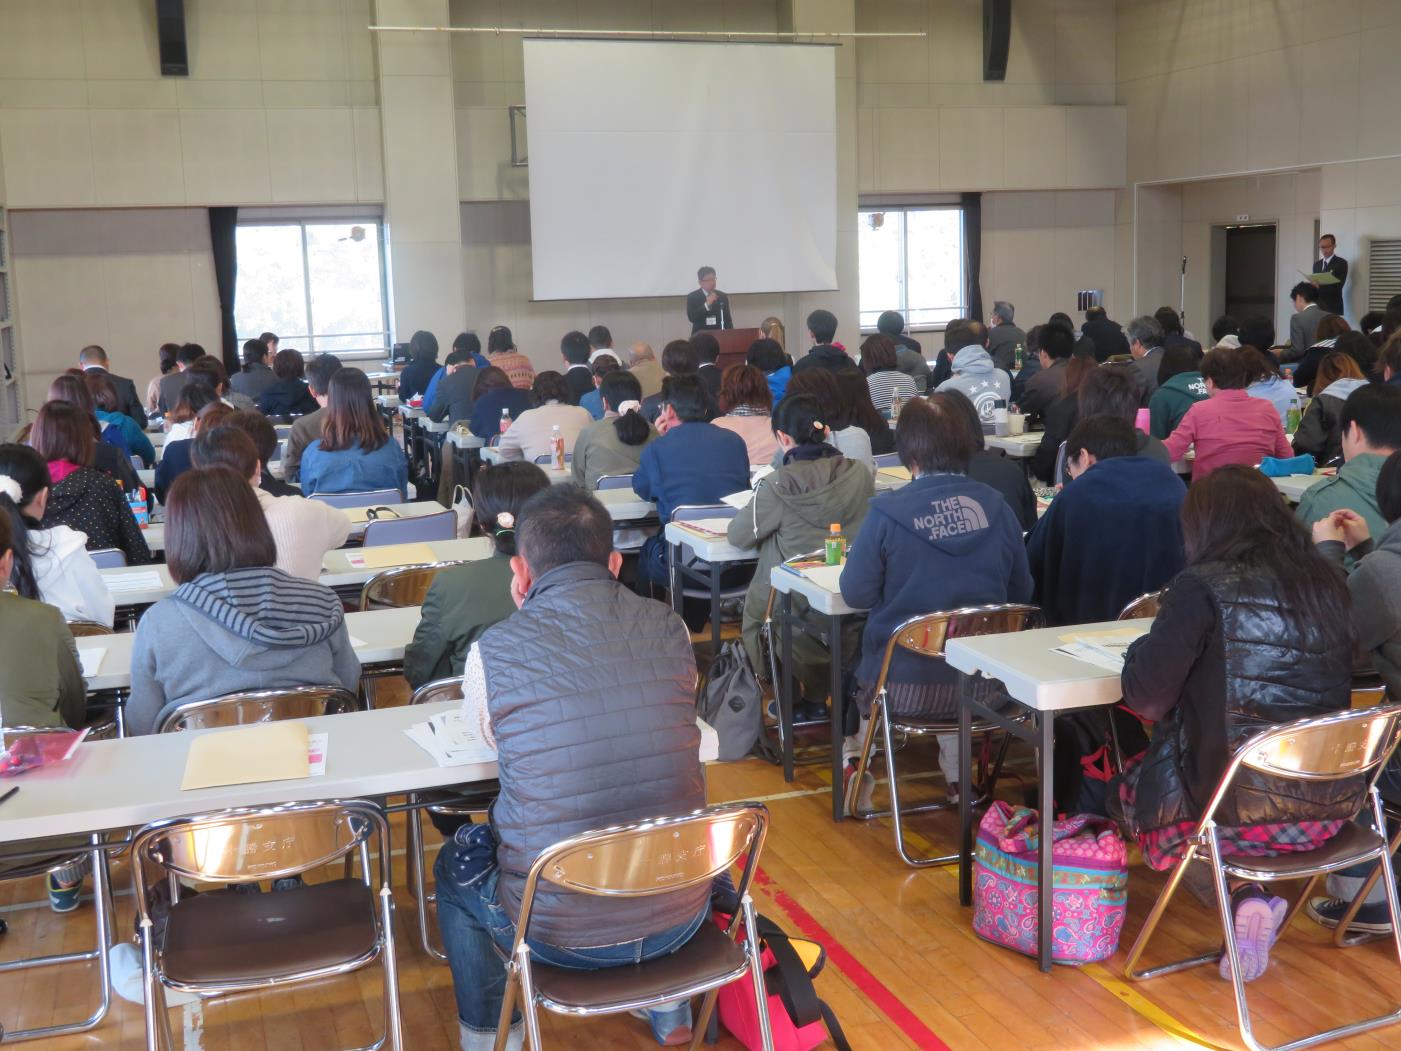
(172, 383)
(1145, 338)
(578, 377)
(707, 307)
(1048, 383)
(707, 354)
(452, 398)
(1303, 326)
(94, 359)
(257, 376)
(822, 330)
(1330, 297)
(1004, 337)
(1108, 336)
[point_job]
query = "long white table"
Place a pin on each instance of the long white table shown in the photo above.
(1016, 446)
(624, 505)
(1296, 485)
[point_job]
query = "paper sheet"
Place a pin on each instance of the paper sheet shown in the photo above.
(899, 473)
(90, 657)
(1100, 658)
(826, 577)
(248, 755)
(738, 500)
(144, 580)
(1109, 637)
(390, 555)
(451, 739)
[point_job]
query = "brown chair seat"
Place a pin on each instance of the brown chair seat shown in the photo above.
(225, 937)
(1353, 839)
(708, 957)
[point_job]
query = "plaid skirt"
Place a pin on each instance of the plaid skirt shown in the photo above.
(930, 700)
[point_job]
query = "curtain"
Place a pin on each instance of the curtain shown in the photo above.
(972, 254)
(223, 223)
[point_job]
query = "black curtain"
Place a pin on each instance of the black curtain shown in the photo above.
(223, 223)
(973, 253)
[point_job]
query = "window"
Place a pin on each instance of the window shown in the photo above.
(318, 285)
(911, 260)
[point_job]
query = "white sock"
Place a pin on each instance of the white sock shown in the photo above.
(474, 1041)
(948, 759)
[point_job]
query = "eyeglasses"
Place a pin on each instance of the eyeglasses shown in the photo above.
(374, 514)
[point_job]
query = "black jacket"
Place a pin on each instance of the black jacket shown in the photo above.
(452, 397)
(1008, 478)
(129, 403)
(1108, 338)
(699, 314)
(87, 501)
(824, 356)
(578, 380)
(286, 398)
(1330, 297)
(710, 374)
(1059, 417)
(1224, 660)
(413, 381)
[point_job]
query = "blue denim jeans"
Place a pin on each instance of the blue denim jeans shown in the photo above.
(471, 920)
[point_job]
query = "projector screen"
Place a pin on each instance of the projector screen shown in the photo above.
(650, 159)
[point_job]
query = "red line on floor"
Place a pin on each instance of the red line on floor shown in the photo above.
(870, 986)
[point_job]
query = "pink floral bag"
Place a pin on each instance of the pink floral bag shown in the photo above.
(1090, 883)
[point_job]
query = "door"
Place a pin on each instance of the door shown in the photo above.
(1250, 271)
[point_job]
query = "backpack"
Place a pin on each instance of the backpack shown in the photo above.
(730, 701)
(1084, 759)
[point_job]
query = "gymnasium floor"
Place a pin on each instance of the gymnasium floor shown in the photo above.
(905, 969)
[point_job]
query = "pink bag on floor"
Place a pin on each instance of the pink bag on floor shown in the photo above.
(1090, 884)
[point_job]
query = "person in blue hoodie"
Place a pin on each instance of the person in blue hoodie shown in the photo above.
(767, 356)
(942, 542)
(1112, 534)
(974, 374)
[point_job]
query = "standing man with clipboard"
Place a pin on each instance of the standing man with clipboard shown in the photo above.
(706, 307)
(1330, 292)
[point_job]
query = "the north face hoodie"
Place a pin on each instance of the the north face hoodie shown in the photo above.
(942, 542)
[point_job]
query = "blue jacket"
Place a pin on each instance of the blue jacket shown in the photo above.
(1109, 536)
(486, 410)
(942, 542)
(353, 471)
(136, 441)
(593, 401)
(778, 382)
(695, 463)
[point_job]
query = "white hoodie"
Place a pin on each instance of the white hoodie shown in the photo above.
(67, 576)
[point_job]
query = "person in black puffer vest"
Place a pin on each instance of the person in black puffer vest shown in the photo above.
(1253, 633)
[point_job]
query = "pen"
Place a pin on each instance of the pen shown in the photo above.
(8, 794)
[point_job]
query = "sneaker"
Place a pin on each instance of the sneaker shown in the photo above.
(864, 795)
(809, 712)
(1374, 918)
(670, 1025)
(64, 897)
(1257, 920)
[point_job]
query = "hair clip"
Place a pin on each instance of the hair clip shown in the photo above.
(505, 520)
(11, 488)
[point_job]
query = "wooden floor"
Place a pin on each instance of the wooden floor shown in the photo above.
(905, 969)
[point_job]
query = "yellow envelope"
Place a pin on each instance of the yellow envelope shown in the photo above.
(389, 555)
(248, 755)
(902, 473)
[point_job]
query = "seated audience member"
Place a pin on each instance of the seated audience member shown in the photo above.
(494, 399)
(465, 348)
(856, 403)
(614, 444)
(1358, 347)
(211, 370)
(1174, 335)
(172, 382)
(354, 454)
(501, 353)
(1330, 328)
(644, 366)
(975, 376)
(166, 356)
(288, 394)
(1054, 344)
(679, 358)
(529, 436)
(909, 355)
(106, 408)
(1105, 335)
(423, 364)
(255, 376)
(1253, 633)
(1224, 326)
(601, 342)
(178, 457)
(693, 462)
(1060, 417)
(465, 600)
(1320, 430)
(111, 455)
(1180, 386)
(629, 751)
(851, 441)
(303, 530)
(241, 623)
(82, 498)
(451, 398)
(883, 377)
(1230, 426)
(1389, 363)
(1370, 424)
(578, 378)
(995, 470)
(180, 420)
(306, 429)
(940, 543)
(263, 435)
(822, 331)
(772, 328)
(49, 565)
(746, 403)
(1303, 323)
(1004, 337)
(707, 354)
(1115, 391)
(1258, 331)
(93, 361)
(601, 366)
(1267, 382)
(1112, 534)
(1145, 336)
(791, 514)
(1371, 324)
(767, 356)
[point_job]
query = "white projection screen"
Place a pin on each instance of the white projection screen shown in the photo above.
(649, 159)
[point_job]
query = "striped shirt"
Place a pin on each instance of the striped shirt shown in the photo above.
(885, 384)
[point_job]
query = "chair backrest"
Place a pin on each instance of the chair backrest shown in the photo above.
(441, 526)
(692, 512)
(1143, 606)
(438, 690)
(259, 706)
(1327, 748)
(615, 481)
(1059, 476)
(926, 634)
(365, 499)
(1368, 696)
(887, 460)
(82, 629)
(545, 459)
(137, 464)
(401, 586)
(108, 558)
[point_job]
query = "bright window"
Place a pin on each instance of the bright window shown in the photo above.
(318, 285)
(911, 260)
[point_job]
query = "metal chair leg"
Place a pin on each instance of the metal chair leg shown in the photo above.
(853, 791)
(897, 818)
(418, 880)
(393, 1019)
(756, 973)
(528, 1008)
(508, 1003)
(1151, 924)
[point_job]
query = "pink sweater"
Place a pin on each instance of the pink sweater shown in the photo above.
(757, 433)
(1229, 427)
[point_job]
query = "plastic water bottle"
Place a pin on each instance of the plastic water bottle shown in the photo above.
(1018, 356)
(835, 547)
(505, 420)
(894, 408)
(557, 448)
(1293, 415)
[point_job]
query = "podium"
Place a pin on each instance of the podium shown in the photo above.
(734, 344)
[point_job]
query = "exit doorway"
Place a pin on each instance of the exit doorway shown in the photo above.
(1244, 277)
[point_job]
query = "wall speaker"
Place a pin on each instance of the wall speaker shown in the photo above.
(997, 37)
(170, 31)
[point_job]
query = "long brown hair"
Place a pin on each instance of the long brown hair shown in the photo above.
(214, 523)
(62, 431)
(1335, 366)
(1235, 515)
(351, 415)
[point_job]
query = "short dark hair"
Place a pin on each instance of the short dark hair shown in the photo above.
(1225, 326)
(189, 353)
(499, 340)
(259, 430)
(226, 446)
(1177, 359)
(687, 397)
(254, 350)
(351, 415)
(63, 431)
(707, 347)
(604, 364)
(1376, 409)
(1360, 349)
(1168, 319)
(679, 358)
(766, 355)
(823, 325)
(1258, 332)
(549, 386)
(1389, 357)
(458, 357)
(423, 344)
(877, 354)
(956, 334)
(822, 385)
(704, 272)
(1104, 437)
(1095, 313)
(932, 436)
(193, 397)
(289, 365)
(562, 524)
(269, 337)
(490, 378)
(1227, 368)
(501, 488)
(1305, 290)
(1389, 488)
(600, 338)
(320, 371)
(92, 354)
(468, 341)
(799, 417)
(168, 353)
(1057, 341)
(575, 348)
(214, 524)
(890, 323)
(1061, 318)
(212, 369)
(1111, 390)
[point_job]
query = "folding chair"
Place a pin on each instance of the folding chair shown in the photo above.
(1328, 748)
(545, 459)
(226, 943)
(926, 635)
(887, 460)
(614, 481)
(445, 802)
(382, 531)
(401, 586)
(1144, 606)
(368, 498)
(109, 558)
(640, 860)
(259, 706)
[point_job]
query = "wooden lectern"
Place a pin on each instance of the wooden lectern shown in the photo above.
(734, 344)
